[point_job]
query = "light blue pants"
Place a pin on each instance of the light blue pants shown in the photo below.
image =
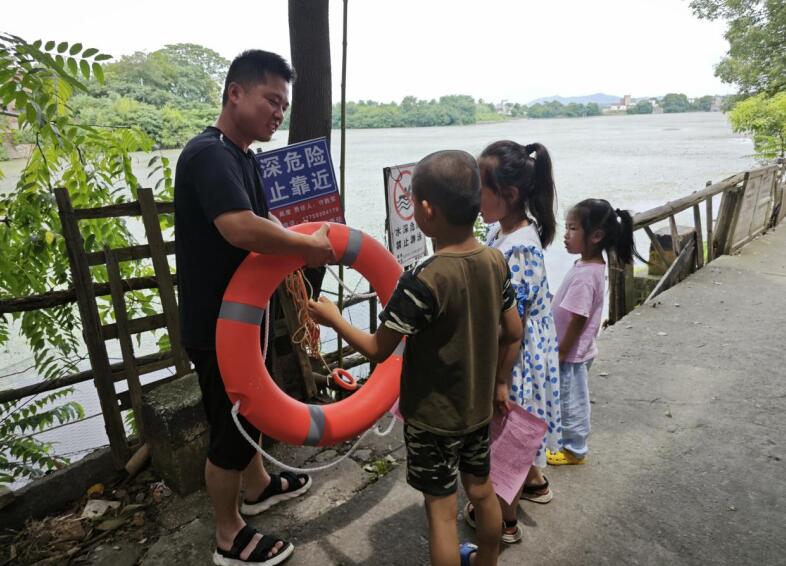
(575, 405)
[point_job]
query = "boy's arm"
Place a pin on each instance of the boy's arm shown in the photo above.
(510, 335)
(376, 347)
(575, 326)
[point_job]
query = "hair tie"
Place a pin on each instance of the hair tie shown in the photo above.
(618, 214)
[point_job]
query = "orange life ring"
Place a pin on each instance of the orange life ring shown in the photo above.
(246, 378)
(342, 379)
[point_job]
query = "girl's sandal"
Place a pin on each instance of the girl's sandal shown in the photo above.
(511, 530)
(533, 492)
(562, 458)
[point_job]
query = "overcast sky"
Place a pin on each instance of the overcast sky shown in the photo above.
(515, 50)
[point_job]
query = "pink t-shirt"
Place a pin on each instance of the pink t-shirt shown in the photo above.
(581, 293)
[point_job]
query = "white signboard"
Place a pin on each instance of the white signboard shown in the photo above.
(405, 240)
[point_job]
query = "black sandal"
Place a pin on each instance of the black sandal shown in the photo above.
(274, 493)
(530, 492)
(259, 556)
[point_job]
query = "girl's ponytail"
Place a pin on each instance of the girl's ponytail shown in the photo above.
(624, 245)
(542, 193)
(508, 164)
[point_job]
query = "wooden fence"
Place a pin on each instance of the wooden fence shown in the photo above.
(297, 374)
(751, 202)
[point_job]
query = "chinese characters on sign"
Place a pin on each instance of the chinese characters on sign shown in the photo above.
(405, 239)
(300, 184)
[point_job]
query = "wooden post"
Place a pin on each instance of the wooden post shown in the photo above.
(727, 218)
(699, 237)
(710, 243)
(166, 289)
(91, 330)
(675, 235)
(372, 317)
(124, 337)
(658, 248)
(677, 270)
(617, 306)
(291, 319)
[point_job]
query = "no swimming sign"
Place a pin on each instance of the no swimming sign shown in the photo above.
(405, 239)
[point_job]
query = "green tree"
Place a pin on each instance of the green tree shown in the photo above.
(765, 118)
(674, 102)
(703, 104)
(641, 107)
(95, 165)
(192, 55)
(756, 60)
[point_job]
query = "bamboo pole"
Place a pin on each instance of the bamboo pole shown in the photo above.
(342, 164)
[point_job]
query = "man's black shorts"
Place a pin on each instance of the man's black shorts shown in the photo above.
(228, 449)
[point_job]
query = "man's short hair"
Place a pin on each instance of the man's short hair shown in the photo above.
(252, 67)
(449, 180)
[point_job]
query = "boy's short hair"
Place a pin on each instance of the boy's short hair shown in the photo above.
(449, 180)
(252, 67)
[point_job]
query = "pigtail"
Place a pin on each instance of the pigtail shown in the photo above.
(623, 244)
(542, 194)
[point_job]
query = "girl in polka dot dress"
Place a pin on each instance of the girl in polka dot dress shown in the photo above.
(518, 194)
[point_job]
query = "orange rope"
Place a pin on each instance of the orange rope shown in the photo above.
(307, 334)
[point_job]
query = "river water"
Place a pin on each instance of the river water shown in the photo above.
(636, 162)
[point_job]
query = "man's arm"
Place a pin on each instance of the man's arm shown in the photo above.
(376, 347)
(575, 326)
(244, 229)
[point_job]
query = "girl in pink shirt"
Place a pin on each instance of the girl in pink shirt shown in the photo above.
(592, 227)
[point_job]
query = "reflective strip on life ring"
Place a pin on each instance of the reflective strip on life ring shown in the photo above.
(246, 378)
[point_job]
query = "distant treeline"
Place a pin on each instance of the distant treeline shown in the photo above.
(174, 92)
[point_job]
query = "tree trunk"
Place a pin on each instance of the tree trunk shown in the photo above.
(309, 39)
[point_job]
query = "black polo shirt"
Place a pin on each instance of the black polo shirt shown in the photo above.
(213, 176)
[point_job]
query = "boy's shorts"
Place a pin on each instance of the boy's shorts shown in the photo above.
(434, 461)
(227, 448)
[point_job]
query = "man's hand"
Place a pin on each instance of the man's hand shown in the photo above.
(324, 312)
(319, 251)
(501, 398)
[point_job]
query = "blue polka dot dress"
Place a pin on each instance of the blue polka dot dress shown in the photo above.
(536, 373)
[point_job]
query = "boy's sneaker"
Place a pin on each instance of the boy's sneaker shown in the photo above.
(562, 458)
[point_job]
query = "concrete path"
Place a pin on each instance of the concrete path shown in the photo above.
(688, 453)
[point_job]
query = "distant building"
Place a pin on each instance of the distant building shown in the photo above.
(717, 104)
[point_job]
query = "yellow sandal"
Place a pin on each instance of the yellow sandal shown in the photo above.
(562, 458)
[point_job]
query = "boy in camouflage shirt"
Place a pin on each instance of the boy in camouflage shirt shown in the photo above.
(456, 309)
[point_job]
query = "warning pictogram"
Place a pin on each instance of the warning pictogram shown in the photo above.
(402, 196)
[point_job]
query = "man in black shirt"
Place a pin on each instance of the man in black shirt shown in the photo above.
(221, 215)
